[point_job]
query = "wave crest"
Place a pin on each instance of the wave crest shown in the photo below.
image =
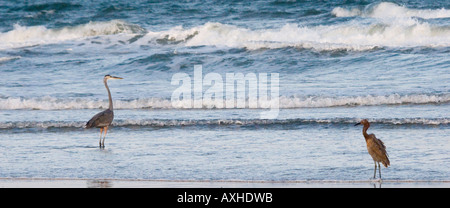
(369, 100)
(349, 36)
(352, 35)
(22, 36)
(390, 10)
(161, 123)
(51, 103)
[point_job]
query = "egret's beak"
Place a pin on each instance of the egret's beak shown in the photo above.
(357, 124)
(116, 77)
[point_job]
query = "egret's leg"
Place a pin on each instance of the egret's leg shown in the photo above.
(106, 130)
(100, 141)
(375, 170)
(379, 169)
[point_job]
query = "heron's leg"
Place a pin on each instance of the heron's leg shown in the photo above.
(106, 130)
(100, 141)
(375, 170)
(379, 169)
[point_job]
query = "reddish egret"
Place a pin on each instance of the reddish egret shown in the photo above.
(375, 147)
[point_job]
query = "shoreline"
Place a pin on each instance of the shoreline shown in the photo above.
(163, 183)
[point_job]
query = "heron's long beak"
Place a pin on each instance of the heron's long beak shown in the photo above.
(357, 124)
(116, 77)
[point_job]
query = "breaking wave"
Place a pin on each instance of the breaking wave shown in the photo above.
(51, 103)
(347, 36)
(9, 58)
(391, 10)
(160, 123)
(357, 35)
(22, 36)
(369, 100)
(402, 28)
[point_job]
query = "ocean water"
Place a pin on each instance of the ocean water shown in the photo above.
(338, 62)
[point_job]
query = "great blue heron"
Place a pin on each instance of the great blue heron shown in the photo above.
(103, 119)
(375, 147)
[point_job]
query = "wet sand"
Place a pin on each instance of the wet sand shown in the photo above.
(124, 183)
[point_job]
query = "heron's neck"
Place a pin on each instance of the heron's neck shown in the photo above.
(366, 126)
(109, 95)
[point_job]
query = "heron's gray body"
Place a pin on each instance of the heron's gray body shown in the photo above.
(101, 120)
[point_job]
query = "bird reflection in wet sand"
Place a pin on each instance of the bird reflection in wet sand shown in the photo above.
(375, 185)
(99, 184)
(376, 148)
(103, 119)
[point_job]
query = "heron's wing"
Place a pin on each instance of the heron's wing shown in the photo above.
(101, 119)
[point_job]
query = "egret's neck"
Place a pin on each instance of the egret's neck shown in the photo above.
(366, 126)
(109, 95)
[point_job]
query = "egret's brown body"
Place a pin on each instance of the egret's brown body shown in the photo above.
(375, 147)
(103, 119)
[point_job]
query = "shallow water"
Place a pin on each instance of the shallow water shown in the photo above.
(228, 150)
(337, 64)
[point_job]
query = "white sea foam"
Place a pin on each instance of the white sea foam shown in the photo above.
(397, 27)
(390, 10)
(9, 58)
(51, 103)
(22, 36)
(370, 100)
(346, 36)
(352, 35)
